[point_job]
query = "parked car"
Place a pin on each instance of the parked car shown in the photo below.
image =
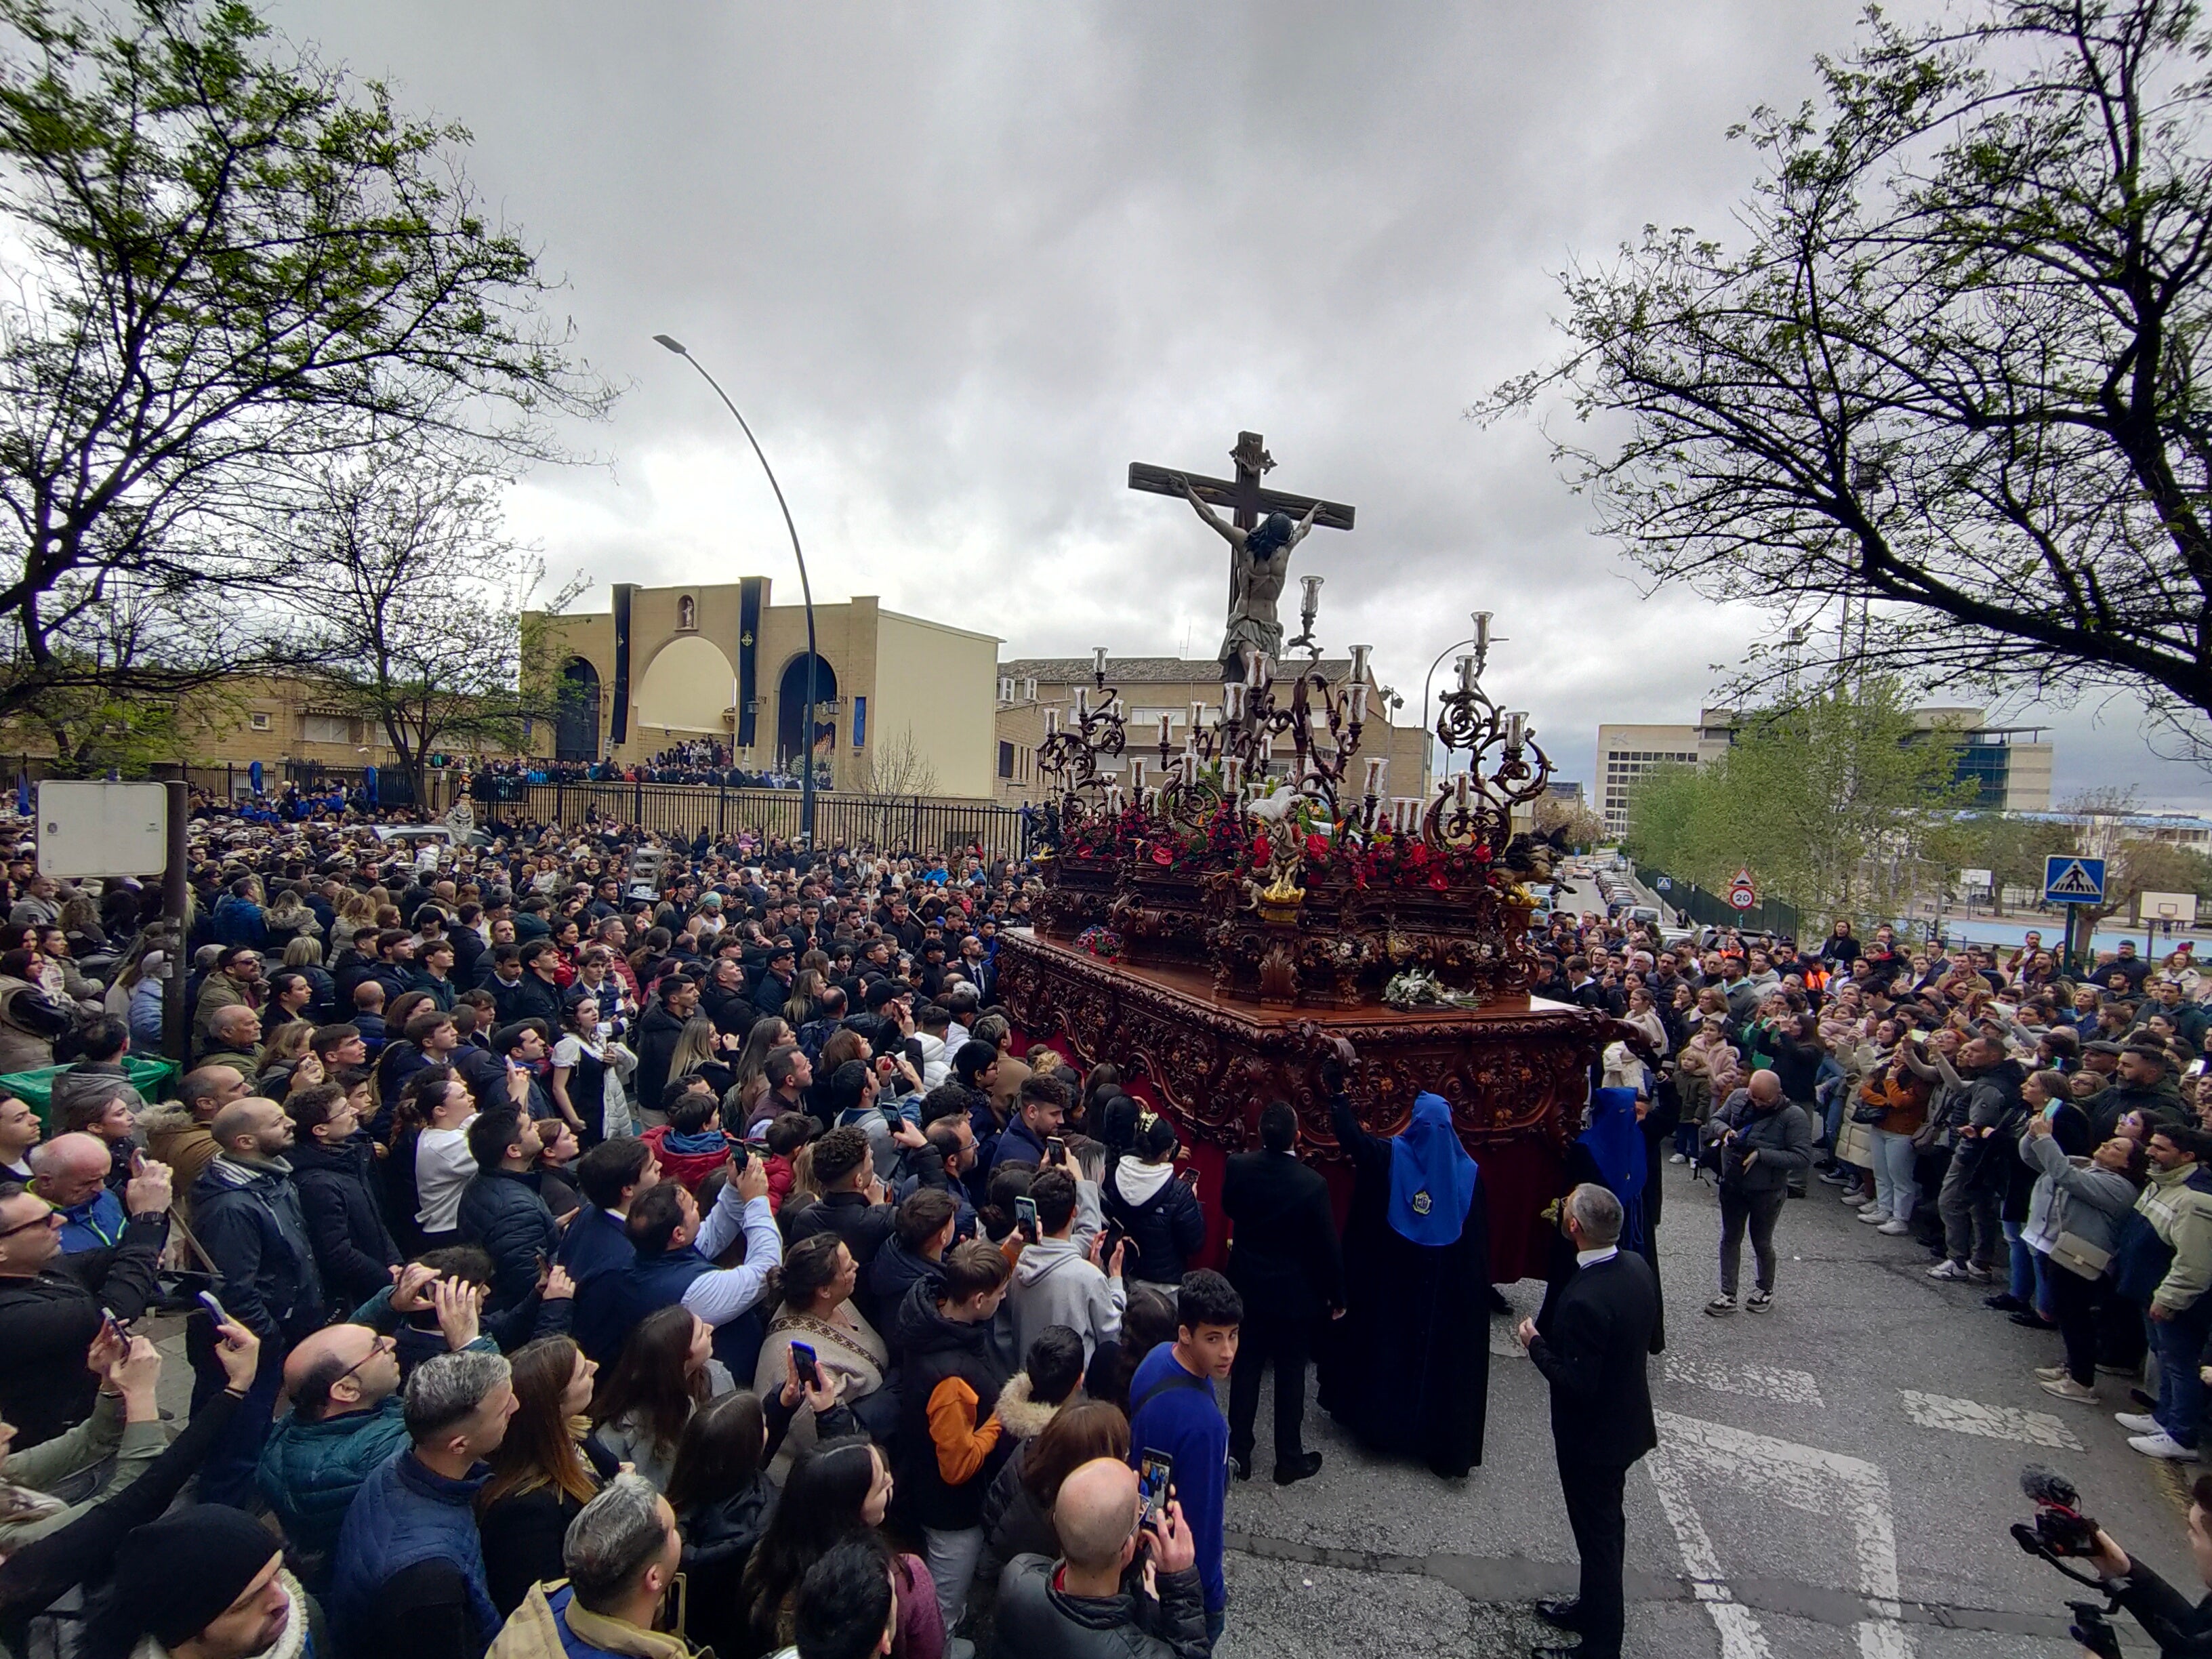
(414, 835)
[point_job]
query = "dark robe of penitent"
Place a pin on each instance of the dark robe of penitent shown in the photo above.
(1407, 1370)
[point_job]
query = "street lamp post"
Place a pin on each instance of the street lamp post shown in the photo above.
(805, 590)
(1480, 640)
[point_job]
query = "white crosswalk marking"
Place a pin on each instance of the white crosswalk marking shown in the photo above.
(1935, 1411)
(1774, 1383)
(1695, 1457)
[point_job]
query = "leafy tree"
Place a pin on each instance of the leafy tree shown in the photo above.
(2011, 849)
(1956, 368)
(230, 267)
(1833, 803)
(423, 612)
(1584, 828)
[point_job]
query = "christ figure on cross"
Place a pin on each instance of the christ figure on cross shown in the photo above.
(1259, 565)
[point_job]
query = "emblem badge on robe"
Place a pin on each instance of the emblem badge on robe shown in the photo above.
(1421, 1202)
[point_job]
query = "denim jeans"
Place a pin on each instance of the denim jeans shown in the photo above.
(1895, 1191)
(2021, 1262)
(2180, 1344)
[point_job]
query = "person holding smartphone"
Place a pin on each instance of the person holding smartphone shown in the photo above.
(1078, 1604)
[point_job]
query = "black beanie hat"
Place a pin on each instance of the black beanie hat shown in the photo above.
(175, 1577)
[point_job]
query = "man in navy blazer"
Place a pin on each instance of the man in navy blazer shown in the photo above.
(1592, 1348)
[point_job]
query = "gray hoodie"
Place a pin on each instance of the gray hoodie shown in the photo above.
(1056, 1283)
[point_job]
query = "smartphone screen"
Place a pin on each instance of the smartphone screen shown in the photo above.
(1025, 1217)
(809, 1373)
(1055, 1148)
(1155, 1475)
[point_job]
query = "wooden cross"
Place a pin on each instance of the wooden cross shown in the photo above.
(1243, 496)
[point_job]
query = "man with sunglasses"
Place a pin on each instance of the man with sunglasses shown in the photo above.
(235, 983)
(52, 1306)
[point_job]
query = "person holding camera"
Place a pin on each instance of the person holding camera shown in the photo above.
(2158, 1607)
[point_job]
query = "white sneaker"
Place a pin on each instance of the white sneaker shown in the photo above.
(1870, 1203)
(2050, 1373)
(2065, 1388)
(1678, 1158)
(1948, 1268)
(2163, 1445)
(1895, 1229)
(1721, 1306)
(2137, 1422)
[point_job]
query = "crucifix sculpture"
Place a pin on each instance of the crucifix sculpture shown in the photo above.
(1260, 548)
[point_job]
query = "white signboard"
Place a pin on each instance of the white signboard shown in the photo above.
(102, 828)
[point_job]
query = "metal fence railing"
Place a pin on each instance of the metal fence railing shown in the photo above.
(1708, 910)
(913, 823)
(393, 787)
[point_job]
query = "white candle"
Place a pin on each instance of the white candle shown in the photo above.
(1377, 769)
(1517, 729)
(1051, 721)
(1250, 658)
(1467, 673)
(1267, 750)
(1098, 660)
(1082, 701)
(1267, 666)
(1167, 724)
(1482, 628)
(1360, 661)
(1197, 716)
(1358, 701)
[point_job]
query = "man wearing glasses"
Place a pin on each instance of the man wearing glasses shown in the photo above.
(347, 1416)
(236, 982)
(52, 1306)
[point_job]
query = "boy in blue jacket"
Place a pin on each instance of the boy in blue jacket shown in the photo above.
(1173, 1409)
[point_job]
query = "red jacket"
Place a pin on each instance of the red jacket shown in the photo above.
(686, 1170)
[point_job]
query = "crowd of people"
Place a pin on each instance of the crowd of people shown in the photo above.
(590, 1269)
(593, 1268)
(2038, 1131)
(698, 762)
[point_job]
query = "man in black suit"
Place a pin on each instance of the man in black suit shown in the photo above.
(1284, 1263)
(1592, 1348)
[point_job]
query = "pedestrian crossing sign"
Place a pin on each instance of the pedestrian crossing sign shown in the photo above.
(2070, 880)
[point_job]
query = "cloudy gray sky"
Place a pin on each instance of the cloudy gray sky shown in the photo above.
(960, 265)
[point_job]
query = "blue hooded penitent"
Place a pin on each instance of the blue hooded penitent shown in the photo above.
(1431, 1176)
(1616, 1145)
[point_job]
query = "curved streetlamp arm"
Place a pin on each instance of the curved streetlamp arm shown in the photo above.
(806, 588)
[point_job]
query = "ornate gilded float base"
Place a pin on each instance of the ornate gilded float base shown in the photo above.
(1516, 1071)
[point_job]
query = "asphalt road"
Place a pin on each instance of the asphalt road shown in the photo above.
(1834, 1478)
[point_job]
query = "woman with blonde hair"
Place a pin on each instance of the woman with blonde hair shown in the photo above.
(805, 994)
(749, 1077)
(698, 1051)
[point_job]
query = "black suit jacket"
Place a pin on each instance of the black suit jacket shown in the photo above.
(1592, 1348)
(1283, 1258)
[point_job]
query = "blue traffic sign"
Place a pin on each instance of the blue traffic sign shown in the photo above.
(2070, 880)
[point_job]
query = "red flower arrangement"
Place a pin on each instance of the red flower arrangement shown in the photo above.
(1224, 841)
